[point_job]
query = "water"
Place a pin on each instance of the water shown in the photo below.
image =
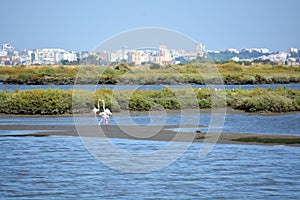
(61, 168)
(7, 87)
(285, 124)
(23, 132)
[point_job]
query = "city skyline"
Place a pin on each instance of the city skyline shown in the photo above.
(140, 56)
(79, 26)
(157, 46)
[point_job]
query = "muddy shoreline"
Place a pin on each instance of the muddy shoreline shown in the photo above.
(227, 110)
(155, 133)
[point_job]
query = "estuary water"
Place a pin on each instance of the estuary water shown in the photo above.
(61, 168)
(8, 87)
(285, 124)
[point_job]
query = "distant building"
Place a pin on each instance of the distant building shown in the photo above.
(3, 53)
(264, 50)
(293, 50)
(161, 55)
(52, 56)
(236, 59)
(7, 47)
(200, 50)
(164, 55)
(34, 58)
(232, 50)
(114, 55)
(291, 62)
(131, 57)
(163, 47)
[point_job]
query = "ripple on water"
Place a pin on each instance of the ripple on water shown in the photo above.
(61, 167)
(285, 124)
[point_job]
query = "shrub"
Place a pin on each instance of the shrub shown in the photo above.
(155, 66)
(55, 101)
(266, 102)
(138, 103)
(36, 101)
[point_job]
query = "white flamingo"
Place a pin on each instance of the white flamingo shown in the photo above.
(96, 109)
(104, 114)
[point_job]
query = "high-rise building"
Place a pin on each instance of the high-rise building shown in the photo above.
(7, 47)
(200, 50)
(163, 47)
(34, 57)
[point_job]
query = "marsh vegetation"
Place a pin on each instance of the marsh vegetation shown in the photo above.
(56, 101)
(122, 73)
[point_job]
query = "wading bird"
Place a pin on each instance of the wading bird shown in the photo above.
(105, 119)
(96, 109)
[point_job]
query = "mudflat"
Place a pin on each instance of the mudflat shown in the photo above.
(153, 132)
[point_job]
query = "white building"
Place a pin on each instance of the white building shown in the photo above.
(7, 47)
(52, 56)
(200, 50)
(114, 55)
(236, 59)
(293, 50)
(291, 62)
(264, 50)
(3, 53)
(232, 50)
(280, 57)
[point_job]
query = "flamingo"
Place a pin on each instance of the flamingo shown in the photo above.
(96, 109)
(104, 114)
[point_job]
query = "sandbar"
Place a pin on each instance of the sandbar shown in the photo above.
(152, 132)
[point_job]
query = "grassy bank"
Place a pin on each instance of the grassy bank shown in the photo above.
(269, 140)
(55, 101)
(196, 73)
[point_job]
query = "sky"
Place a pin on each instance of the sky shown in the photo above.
(81, 25)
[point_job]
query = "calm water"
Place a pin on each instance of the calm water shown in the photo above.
(61, 168)
(287, 124)
(6, 87)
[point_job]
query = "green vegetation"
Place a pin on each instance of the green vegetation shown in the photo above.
(36, 102)
(269, 140)
(154, 66)
(264, 100)
(122, 73)
(201, 137)
(55, 101)
(38, 75)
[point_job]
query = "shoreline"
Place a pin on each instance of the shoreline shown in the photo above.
(154, 133)
(229, 110)
(122, 84)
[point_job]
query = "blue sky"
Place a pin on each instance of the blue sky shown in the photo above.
(81, 25)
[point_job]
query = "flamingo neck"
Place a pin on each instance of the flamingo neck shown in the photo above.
(103, 106)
